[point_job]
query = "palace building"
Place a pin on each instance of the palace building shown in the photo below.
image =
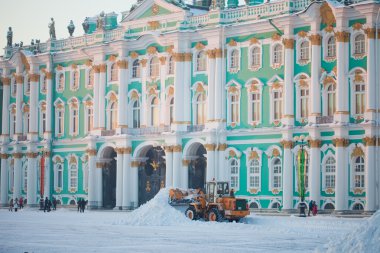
(179, 93)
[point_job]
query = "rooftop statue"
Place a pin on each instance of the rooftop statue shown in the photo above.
(9, 37)
(86, 25)
(52, 29)
(100, 22)
(71, 28)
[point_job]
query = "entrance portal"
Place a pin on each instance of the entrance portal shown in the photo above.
(109, 178)
(197, 169)
(152, 174)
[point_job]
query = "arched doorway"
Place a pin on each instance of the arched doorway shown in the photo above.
(109, 178)
(197, 167)
(151, 174)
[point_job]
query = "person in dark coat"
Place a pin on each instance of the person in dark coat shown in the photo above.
(15, 204)
(21, 202)
(310, 207)
(315, 209)
(46, 207)
(79, 205)
(54, 203)
(41, 203)
(49, 205)
(302, 207)
(232, 193)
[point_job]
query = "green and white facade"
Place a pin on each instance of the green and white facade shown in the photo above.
(176, 92)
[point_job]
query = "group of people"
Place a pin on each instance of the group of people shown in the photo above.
(313, 208)
(16, 204)
(81, 205)
(47, 204)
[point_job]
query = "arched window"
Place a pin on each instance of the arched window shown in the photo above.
(154, 112)
(331, 47)
(255, 57)
(154, 67)
(329, 206)
(277, 54)
(85, 177)
(235, 110)
(275, 205)
(201, 61)
(59, 182)
(359, 172)
(12, 129)
(75, 80)
(114, 72)
(358, 207)
(27, 88)
(200, 109)
(255, 106)
(254, 174)
(359, 98)
(277, 173)
(14, 87)
(359, 47)
(330, 173)
(112, 116)
(253, 205)
(234, 172)
(277, 105)
(90, 80)
(43, 121)
(61, 81)
(304, 102)
(331, 100)
(171, 66)
(234, 59)
(171, 110)
(304, 51)
(73, 176)
(136, 69)
(26, 122)
(136, 114)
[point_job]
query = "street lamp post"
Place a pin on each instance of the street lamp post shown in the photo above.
(302, 141)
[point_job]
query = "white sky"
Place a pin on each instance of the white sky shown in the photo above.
(29, 19)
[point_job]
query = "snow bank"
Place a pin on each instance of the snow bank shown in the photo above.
(366, 238)
(156, 212)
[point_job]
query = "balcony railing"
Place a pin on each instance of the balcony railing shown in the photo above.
(195, 128)
(325, 120)
(108, 132)
(147, 130)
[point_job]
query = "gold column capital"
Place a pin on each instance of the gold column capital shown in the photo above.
(168, 149)
(4, 156)
(103, 68)
(222, 147)
(315, 39)
(288, 43)
(185, 162)
(19, 79)
(177, 148)
(91, 152)
(31, 155)
(369, 141)
(6, 81)
(122, 64)
(371, 33)
(34, 77)
(287, 144)
(340, 142)
(210, 147)
(315, 143)
(342, 36)
(17, 155)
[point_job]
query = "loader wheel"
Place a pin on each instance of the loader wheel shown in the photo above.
(191, 213)
(215, 215)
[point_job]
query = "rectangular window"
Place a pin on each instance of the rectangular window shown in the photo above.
(255, 107)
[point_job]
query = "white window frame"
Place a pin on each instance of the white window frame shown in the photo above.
(57, 79)
(42, 111)
(232, 85)
(27, 85)
(112, 68)
(88, 104)
(150, 111)
(74, 102)
(299, 51)
(170, 65)
(88, 83)
(71, 187)
(299, 87)
(43, 82)
(353, 35)
(235, 68)
(138, 69)
(237, 175)
(325, 38)
(249, 174)
(355, 173)
(353, 84)
(56, 175)
(272, 174)
(273, 88)
(151, 73)
(111, 114)
(325, 174)
(57, 110)
(13, 86)
(325, 99)
(196, 106)
(272, 56)
(259, 90)
(138, 109)
(73, 73)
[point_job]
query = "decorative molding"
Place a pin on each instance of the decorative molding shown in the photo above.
(34, 77)
(122, 64)
(210, 147)
(154, 25)
(17, 155)
(357, 152)
(315, 143)
(211, 54)
(316, 39)
(4, 156)
(152, 50)
(91, 152)
(162, 60)
(327, 14)
(222, 147)
(232, 43)
(49, 75)
(185, 162)
(6, 81)
(112, 58)
(302, 34)
(102, 68)
(276, 37)
(340, 142)
(199, 46)
(31, 155)
(287, 144)
(168, 149)
(19, 79)
(370, 32)
(253, 155)
(369, 141)
(357, 26)
(134, 55)
(342, 36)
(177, 148)
(254, 41)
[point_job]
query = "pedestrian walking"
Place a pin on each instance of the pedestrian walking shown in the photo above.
(310, 207)
(21, 203)
(79, 205)
(11, 205)
(315, 209)
(54, 203)
(46, 206)
(302, 207)
(41, 202)
(15, 204)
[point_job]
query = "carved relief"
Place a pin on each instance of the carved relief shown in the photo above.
(342, 36)
(327, 14)
(315, 39)
(134, 55)
(369, 141)
(357, 152)
(199, 46)
(152, 50)
(340, 142)
(287, 144)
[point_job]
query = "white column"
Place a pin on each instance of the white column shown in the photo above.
(179, 90)
(177, 165)
(92, 194)
(210, 170)
(218, 84)
(370, 175)
(186, 89)
(211, 86)
(288, 95)
(19, 101)
(49, 102)
(6, 98)
(185, 174)
(33, 102)
(96, 96)
(102, 96)
(123, 94)
(287, 195)
(47, 187)
(341, 114)
(221, 174)
(315, 98)
(31, 194)
(17, 175)
(4, 180)
(135, 184)
(163, 71)
(315, 171)
(143, 110)
(341, 189)
(370, 113)
(127, 178)
(99, 184)
(169, 166)
(119, 178)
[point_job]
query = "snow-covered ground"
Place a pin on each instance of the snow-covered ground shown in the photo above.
(145, 230)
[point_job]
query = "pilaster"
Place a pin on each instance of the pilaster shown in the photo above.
(17, 174)
(123, 93)
(92, 195)
(211, 87)
(210, 170)
(127, 178)
(177, 162)
(19, 101)
(288, 92)
(102, 96)
(31, 194)
(315, 100)
(5, 113)
(4, 179)
(287, 189)
(49, 105)
(119, 178)
(370, 172)
(169, 166)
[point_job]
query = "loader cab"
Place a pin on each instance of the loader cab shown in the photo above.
(211, 191)
(222, 189)
(216, 189)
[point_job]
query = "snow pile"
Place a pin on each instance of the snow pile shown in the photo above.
(156, 212)
(366, 238)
